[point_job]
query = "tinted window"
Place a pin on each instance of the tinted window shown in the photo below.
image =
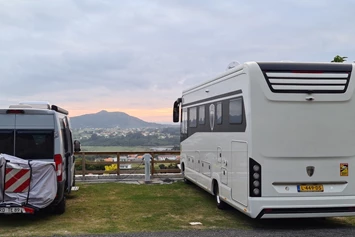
(219, 113)
(34, 144)
(192, 117)
(235, 111)
(7, 142)
(64, 135)
(201, 115)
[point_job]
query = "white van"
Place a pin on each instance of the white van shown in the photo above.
(39, 131)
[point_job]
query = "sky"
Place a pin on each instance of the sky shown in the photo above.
(137, 56)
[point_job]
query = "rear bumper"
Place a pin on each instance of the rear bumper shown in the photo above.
(302, 207)
(25, 209)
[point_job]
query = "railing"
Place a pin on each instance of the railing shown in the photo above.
(84, 166)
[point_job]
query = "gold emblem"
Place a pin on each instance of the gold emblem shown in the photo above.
(344, 169)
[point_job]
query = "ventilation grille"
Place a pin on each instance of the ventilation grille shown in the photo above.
(307, 82)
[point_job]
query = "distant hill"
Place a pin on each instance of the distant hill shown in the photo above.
(104, 119)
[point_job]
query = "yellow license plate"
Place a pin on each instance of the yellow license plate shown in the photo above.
(310, 188)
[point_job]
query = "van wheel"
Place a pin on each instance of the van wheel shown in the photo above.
(74, 178)
(60, 207)
(186, 181)
(220, 204)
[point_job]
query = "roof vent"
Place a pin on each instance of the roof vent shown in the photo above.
(36, 104)
(20, 106)
(233, 64)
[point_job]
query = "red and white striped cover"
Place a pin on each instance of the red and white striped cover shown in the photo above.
(17, 180)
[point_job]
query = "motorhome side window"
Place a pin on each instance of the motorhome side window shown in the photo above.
(193, 117)
(235, 110)
(184, 121)
(219, 113)
(201, 114)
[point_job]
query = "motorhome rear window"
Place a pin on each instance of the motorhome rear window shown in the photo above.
(7, 142)
(34, 144)
(312, 78)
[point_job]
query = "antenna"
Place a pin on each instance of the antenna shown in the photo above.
(233, 64)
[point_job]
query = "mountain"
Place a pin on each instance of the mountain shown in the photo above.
(104, 119)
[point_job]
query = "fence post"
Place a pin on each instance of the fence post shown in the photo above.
(118, 164)
(152, 169)
(83, 170)
(147, 161)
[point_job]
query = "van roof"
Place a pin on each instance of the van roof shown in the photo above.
(35, 106)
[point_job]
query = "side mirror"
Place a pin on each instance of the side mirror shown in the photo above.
(176, 115)
(176, 110)
(77, 147)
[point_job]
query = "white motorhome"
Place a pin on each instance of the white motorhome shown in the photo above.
(273, 139)
(37, 131)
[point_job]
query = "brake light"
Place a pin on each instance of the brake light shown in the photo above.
(254, 178)
(29, 210)
(58, 166)
(15, 111)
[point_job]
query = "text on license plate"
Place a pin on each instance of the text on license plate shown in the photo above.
(11, 210)
(310, 188)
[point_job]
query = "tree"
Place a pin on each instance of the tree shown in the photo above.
(339, 59)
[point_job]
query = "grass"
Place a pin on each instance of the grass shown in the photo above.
(119, 207)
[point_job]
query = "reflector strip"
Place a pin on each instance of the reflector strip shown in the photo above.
(17, 180)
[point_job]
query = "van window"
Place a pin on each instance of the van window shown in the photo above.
(64, 135)
(34, 144)
(7, 142)
(69, 136)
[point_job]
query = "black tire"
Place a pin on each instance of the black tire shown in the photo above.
(59, 209)
(74, 178)
(186, 181)
(220, 204)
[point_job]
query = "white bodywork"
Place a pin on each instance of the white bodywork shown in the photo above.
(285, 133)
(39, 116)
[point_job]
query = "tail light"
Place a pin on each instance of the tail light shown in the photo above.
(254, 178)
(29, 210)
(59, 166)
(15, 111)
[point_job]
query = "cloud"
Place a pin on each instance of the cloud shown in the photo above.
(92, 55)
